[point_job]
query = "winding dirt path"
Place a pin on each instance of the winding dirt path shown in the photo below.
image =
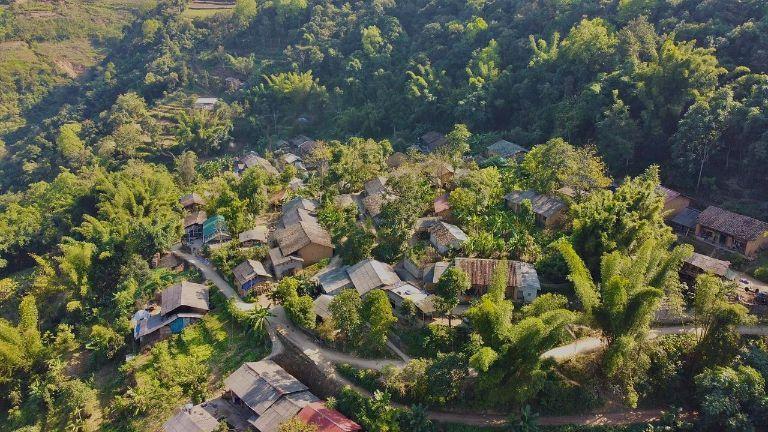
(325, 358)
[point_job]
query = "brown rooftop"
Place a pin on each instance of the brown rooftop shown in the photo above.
(740, 226)
(301, 234)
(184, 293)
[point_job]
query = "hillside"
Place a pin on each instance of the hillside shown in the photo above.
(45, 46)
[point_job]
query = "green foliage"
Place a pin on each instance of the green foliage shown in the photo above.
(299, 310)
(624, 302)
(376, 313)
(731, 399)
(557, 164)
(453, 283)
(718, 318)
(203, 131)
(620, 221)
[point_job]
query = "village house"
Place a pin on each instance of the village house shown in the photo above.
(684, 222)
(505, 149)
(284, 265)
(550, 211)
(522, 280)
(321, 307)
(168, 261)
(698, 264)
(345, 200)
(446, 237)
(206, 103)
(732, 231)
(250, 275)
(674, 202)
(252, 160)
(431, 273)
(396, 160)
(376, 186)
(193, 225)
(443, 173)
(372, 206)
(401, 291)
(254, 236)
(192, 202)
(180, 305)
(432, 141)
(297, 210)
(370, 274)
(215, 230)
(271, 395)
(310, 241)
(333, 281)
(326, 419)
(192, 419)
(295, 184)
(441, 207)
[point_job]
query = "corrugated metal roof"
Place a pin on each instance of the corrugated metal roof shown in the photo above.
(545, 205)
(334, 280)
(371, 274)
(261, 384)
(321, 306)
(283, 410)
(326, 419)
(301, 234)
(184, 293)
(195, 420)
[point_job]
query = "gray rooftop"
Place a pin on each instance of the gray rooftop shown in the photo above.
(371, 274)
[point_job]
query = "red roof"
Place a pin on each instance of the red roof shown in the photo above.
(326, 419)
(442, 204)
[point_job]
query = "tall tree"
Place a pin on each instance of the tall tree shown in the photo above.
(624, 301)
(453, 283)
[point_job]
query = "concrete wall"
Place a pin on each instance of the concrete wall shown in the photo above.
(322, 379)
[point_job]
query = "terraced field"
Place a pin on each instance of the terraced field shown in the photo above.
(206, 8)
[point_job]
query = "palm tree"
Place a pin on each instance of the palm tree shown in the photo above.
(258, 320)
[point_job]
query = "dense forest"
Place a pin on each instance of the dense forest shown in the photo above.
(98, 141)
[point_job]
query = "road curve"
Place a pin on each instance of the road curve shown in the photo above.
(591, 344)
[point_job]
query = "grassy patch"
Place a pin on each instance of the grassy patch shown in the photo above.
(188, 367)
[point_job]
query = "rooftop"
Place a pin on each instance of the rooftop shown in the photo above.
(687, 218)
(258, 233)
(248, 270)
(260, 384)
(446, 234)
(321, 306)
(191, 199)
(545, 205)
(505, 148)
(252, 160)
(327, 419)
(195, 218)
(371, 274)
(740, 226)
(334, 280)
(184, 294)
(709, 265)
(301, 234)
(433, 140)
(195, 419)
(441, 203)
